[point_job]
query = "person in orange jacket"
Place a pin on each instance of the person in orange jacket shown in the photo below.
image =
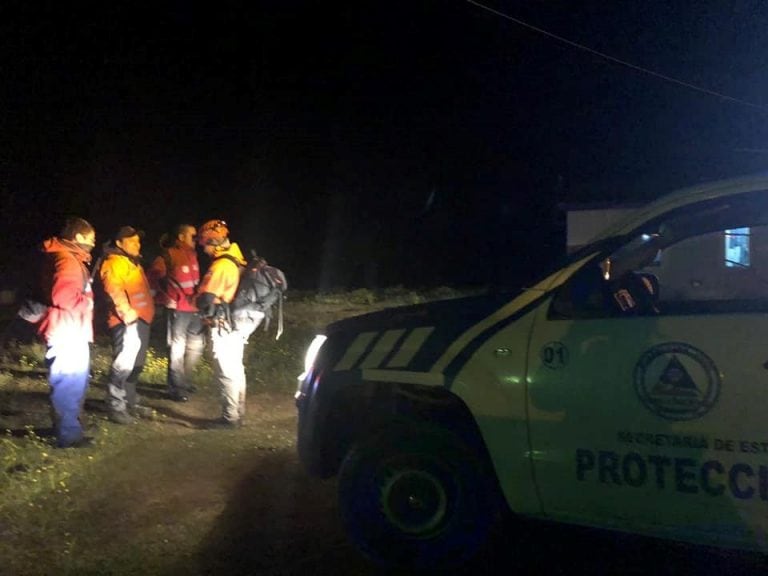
(129, 318)
(228, 335)
(173, 277)
(66, 326)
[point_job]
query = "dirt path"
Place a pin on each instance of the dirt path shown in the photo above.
(247, 506)
(179, 499)
(168, 497)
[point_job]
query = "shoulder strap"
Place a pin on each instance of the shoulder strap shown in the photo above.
(230, 258)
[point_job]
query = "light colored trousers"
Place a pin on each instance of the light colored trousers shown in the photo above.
(228, 347)
(186, 342)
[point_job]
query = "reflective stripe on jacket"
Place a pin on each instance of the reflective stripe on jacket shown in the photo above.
(173, 278)
(127, 287)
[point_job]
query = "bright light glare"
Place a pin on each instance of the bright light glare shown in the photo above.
(309, 357)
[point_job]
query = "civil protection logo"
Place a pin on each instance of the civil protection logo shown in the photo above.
(677, 381)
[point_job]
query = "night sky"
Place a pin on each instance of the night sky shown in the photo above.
(367, 143)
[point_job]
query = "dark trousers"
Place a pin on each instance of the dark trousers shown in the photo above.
(68, 372)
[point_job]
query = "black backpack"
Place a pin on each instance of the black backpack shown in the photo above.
(261, 289)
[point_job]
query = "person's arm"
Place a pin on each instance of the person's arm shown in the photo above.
(69, 283)
(156, 273)
(207, 297)
(112, 277)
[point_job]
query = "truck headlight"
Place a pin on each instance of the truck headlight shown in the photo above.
(309, 357)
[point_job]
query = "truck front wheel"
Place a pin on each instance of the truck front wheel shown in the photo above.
(415, 495)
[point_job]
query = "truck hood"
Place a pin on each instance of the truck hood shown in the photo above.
(374, 340)
(462, 312)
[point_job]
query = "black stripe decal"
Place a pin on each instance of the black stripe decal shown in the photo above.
(368, 349)
(396, 347)
(455, 366)
(439, 340)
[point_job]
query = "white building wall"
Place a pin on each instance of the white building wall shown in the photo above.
(584, 224)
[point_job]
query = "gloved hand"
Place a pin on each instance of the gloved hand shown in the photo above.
(130, 316)
(206, 305)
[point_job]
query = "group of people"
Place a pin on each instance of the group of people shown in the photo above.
(195, 308)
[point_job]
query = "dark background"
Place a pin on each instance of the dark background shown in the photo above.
(369, 143)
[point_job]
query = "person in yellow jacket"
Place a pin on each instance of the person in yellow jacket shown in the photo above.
(228, 332)
(130, 314)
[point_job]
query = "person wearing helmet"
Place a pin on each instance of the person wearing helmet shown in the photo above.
(129, 318)
(228, 339)
(173, 276)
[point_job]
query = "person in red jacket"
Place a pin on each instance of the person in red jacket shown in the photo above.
(129, 317)
(228, 336)
(173, 276)
(67, 326)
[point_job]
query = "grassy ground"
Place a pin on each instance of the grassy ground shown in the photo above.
(167, 496)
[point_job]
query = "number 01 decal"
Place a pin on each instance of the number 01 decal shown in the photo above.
(554, 355)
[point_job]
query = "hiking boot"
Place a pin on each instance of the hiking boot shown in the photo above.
(144, 412)
(178, 396)
(223, 424)
(84, 442)
(121, 418)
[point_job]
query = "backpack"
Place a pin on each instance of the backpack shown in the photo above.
(33, 305)
(261, 288)
(34, 302)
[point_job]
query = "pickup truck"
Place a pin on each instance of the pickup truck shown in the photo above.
(627, 390)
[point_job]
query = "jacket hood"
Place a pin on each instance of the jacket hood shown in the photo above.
(234, 252)
(55, 244)
(110, 249)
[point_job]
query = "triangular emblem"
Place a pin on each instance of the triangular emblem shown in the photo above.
(675, 381)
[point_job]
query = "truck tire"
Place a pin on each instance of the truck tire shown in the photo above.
(416, 496)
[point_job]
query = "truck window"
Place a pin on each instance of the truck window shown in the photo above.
(682, 265)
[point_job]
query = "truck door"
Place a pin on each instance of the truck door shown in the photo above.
(647, 382)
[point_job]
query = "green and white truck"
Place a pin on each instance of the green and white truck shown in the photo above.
(626, 390)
